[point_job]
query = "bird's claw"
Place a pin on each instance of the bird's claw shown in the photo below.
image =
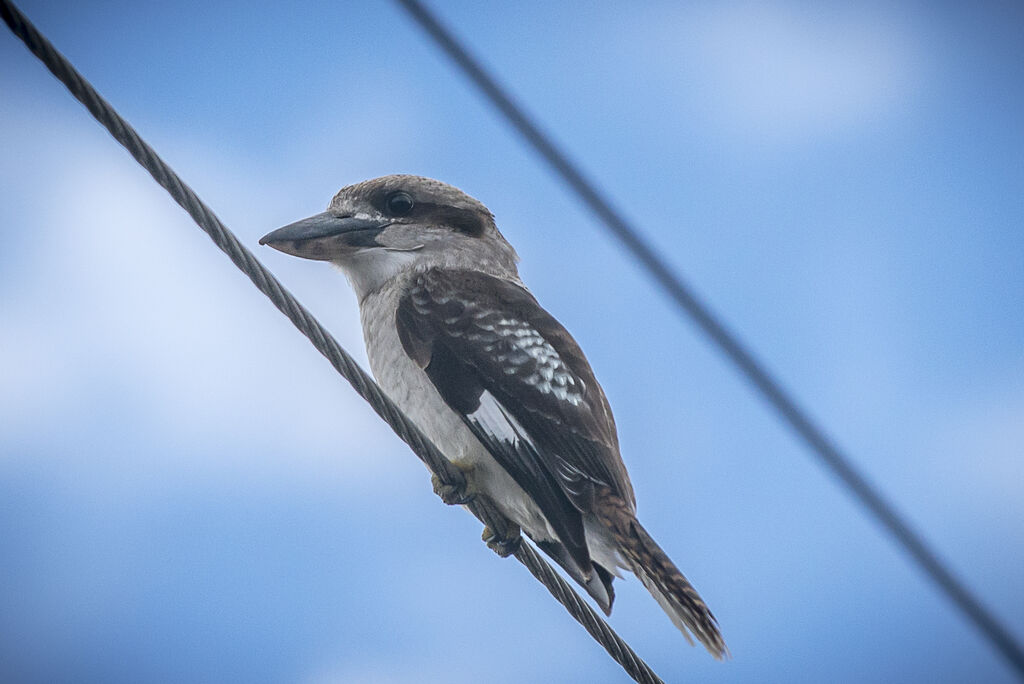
(450, 494)
(504, 547)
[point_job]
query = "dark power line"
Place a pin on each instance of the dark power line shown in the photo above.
(322, 340)
(756, 373)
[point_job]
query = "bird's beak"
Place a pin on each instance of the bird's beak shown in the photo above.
(325, 236)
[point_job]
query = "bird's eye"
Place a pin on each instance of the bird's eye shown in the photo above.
(399, 203)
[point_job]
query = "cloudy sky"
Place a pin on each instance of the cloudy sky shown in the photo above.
(189, 493)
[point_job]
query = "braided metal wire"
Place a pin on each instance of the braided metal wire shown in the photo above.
(286, 303)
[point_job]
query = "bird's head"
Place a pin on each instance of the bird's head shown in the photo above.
(380, 228)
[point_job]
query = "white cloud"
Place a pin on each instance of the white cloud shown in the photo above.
(116, 291)
(779, 71)
(985, 435)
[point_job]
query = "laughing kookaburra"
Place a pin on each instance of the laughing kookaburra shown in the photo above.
(462, 347)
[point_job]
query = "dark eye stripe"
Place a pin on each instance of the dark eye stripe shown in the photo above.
(463, 220)
(400, 203)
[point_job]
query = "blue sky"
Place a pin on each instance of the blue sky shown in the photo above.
(189, 493)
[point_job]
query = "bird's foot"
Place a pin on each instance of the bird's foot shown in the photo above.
(451, 494)
(503, 546)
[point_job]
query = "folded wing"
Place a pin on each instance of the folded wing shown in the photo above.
(522, 385)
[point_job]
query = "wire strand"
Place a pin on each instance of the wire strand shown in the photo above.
(483, 509)
(730, 345)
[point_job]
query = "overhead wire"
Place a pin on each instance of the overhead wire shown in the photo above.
(505, 532)
(740, 354)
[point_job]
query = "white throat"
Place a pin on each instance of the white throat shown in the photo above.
(369, 269)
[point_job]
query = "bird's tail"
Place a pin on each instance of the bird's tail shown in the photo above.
(662, 578)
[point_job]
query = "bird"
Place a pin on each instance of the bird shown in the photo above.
(461, 346)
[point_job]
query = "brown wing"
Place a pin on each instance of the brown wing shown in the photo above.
(522, 384)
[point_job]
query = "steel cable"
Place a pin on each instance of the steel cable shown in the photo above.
(364, 385)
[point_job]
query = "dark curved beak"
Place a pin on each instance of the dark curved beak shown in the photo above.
(325, 236)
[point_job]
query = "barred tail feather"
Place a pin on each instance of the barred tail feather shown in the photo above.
(667, 585)
(673, 592)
